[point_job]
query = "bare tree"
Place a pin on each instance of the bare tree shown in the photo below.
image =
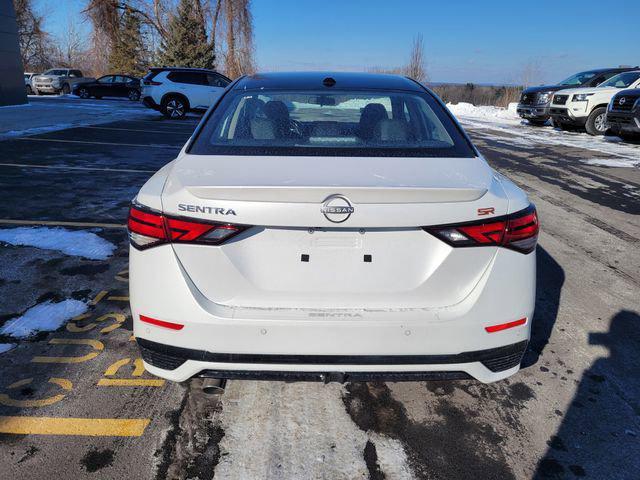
(71, 51)
(232, 29)
(531, 74)
(31, 36)
(416, 67)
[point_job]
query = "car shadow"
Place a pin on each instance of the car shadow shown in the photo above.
(549, 281)
(599, 436)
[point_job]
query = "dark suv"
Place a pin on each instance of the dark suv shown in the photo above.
(623, 114)
(534, 101)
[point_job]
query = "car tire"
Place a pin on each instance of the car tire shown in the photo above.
(83, 93)
(597, 122)
(174, 107)
(134, 95)
(66, 89)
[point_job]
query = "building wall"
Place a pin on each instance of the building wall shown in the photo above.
(12, 89)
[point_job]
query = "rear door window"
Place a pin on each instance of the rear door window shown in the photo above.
(191, 78)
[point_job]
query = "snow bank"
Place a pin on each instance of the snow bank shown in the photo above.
(613, 162)
(5, 347)
(487, 113)
(70, 242)
(44, 317)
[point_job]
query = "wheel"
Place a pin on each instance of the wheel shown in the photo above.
(174, 107)
(66, 89)
(29, 90)
(134, 95)
(597, 122)
(83, 93)
(537, 123)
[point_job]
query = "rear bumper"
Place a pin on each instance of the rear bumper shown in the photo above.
(340, 368)
(314, 343)
(149, 102)
(533, 112)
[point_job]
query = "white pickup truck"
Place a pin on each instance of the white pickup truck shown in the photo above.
(587, 107)
(58, 80)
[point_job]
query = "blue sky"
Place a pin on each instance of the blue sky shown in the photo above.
(465, 41)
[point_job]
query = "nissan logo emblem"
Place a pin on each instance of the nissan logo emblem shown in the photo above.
(337, 208)
(622, 101)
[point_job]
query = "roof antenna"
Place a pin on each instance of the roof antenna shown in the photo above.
(328, 82)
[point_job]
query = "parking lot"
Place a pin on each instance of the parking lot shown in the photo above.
(76, 403)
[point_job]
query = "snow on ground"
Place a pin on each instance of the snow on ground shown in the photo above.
(518, 131)
(79, 243)
(5, 347)
(44, 317)
(297, 430)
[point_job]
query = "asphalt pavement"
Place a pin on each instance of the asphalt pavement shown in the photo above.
(75, 403)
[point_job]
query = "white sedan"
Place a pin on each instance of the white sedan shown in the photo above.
(333, 227)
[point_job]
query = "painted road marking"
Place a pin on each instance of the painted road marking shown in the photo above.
(119, 298)
(64, 167)
(54, 223)
(93, 427)
(130, 382)
(29, 403)
(95, 344)
(148, 145)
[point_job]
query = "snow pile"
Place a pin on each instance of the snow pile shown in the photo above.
(614, 162)
(70, 242)
(297, 430)
(486, 113)
(5, 347)
(44, 317)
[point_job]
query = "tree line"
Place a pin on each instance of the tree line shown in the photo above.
(128, 36)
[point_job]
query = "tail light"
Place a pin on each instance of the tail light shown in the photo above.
(151, 82)
(517, 231)
(148, 228)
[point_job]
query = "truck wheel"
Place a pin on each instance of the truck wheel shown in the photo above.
(174, 107)
(134, 95)
(66, 89)
(597, 122)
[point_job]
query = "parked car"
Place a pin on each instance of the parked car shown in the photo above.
(176, 91)
(27, 82)
(623, 115)
(587, 107)
(110, 86)
(535, 101)
(58, 80)
(335, 227)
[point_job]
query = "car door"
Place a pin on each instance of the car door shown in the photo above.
(119, 86)
(102, 85)
(216, 84)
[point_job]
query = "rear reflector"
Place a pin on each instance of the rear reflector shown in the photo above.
(161, 323)
(148, 228)
(505, 326)
(517, 231)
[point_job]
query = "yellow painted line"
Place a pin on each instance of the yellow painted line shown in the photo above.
(98, 297)
(92, 427)
(97, 345)
(12, 402)
(10, 221)
(114, 367)
(152, 145)
(67, 167)
(130, 382)
(119, 299)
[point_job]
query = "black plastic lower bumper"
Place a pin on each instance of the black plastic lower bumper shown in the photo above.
(168, 357)
(624, 122)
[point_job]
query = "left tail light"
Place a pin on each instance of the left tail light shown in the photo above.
(517, 231)
(149, 228)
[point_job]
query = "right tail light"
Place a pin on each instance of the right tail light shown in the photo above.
(517, 231)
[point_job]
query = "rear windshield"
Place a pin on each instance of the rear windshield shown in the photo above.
(340, 123)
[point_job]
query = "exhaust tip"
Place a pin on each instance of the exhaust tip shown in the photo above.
(213, 386)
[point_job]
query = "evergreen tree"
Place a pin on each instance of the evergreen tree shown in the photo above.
(128, 53)
(186, 43)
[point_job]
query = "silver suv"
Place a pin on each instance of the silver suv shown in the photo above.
(58, 80)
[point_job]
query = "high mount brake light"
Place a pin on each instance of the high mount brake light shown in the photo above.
(148, 228)
(517, 231)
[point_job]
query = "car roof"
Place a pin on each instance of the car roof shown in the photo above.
(616, 69)
(316, 81)
(182, 69)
